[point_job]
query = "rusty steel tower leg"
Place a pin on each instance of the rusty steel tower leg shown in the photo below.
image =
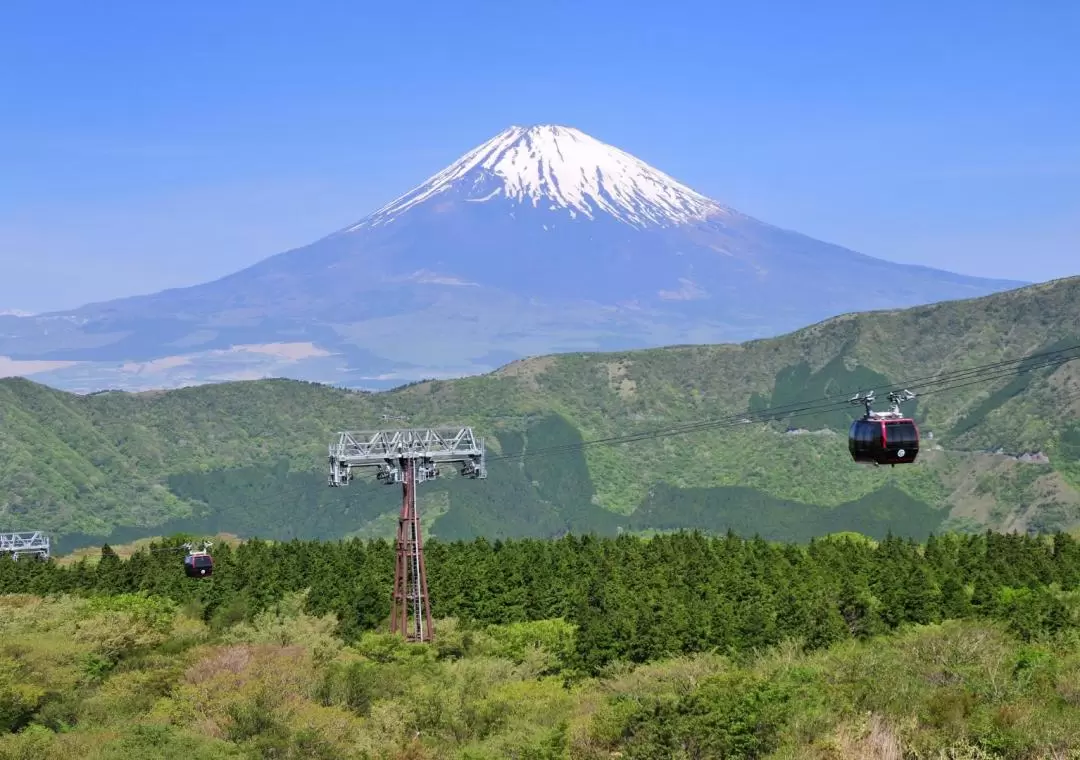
(410, 593)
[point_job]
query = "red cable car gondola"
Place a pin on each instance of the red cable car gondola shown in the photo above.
(198, 564)
(884, 437)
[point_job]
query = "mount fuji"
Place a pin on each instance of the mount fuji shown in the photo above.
(541, 240)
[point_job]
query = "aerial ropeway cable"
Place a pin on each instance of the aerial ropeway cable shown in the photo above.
(932, 383)
(198, 561)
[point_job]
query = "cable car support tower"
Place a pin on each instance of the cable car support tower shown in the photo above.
(408, 457)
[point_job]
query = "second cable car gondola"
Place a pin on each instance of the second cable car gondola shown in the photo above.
(884, 437)
(198, 563)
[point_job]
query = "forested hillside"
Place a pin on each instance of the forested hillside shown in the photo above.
(248, 458)
(675, 646)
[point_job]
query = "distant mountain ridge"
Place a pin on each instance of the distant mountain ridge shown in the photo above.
(249, 458)
(540, 240)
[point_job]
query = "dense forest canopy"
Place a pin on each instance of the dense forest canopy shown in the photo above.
(628, 598)
(676, 646)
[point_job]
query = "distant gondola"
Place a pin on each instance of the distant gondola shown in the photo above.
(884, 437)
(198, 564)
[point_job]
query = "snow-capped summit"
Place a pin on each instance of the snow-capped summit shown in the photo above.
(559, 168)
(541, 240)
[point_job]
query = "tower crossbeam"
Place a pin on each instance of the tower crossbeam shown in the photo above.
(26, 544)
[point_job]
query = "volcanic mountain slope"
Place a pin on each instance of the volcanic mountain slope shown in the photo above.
(541, 240)
(1001, 449)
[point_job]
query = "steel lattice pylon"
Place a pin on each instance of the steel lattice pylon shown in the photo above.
(408, 457)
(410, 576)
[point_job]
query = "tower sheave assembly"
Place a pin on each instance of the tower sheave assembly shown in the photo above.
(408, 457)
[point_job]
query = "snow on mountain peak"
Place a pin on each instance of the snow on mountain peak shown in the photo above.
(566, 169)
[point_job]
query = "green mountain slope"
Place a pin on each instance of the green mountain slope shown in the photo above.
(248, 458)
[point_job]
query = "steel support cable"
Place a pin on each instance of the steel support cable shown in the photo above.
(152, 550)
(823, 405)
(762, 416)
(689, 429)
(949, 381)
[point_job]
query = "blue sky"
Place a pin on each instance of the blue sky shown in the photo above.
(146, 145)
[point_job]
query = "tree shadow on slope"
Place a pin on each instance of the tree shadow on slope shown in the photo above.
(749, 512)
(797, 385)
(544, 495)
(541, 497)
(1027, 371)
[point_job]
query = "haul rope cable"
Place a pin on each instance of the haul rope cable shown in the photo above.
(826, 405)
(949, 381)
(765, 415)
(738, 420)
(645, 436)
